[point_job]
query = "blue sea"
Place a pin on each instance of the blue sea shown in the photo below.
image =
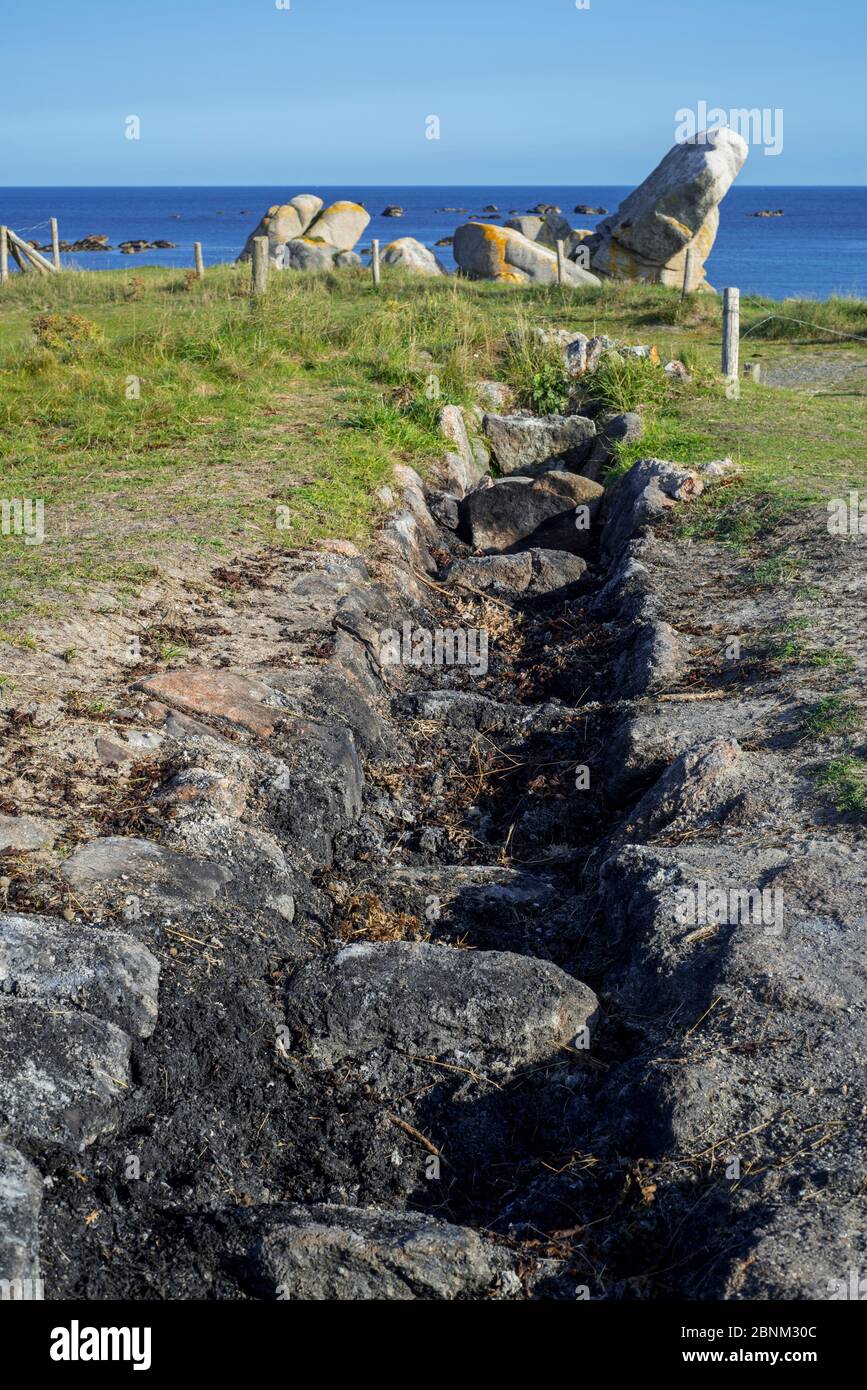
(817, 249)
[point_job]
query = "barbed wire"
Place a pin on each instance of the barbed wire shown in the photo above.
(34, 227)
(804, 323)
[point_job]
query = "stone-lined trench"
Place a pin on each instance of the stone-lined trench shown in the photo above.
(427, 1022)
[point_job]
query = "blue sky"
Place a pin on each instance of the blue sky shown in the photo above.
(526, 91)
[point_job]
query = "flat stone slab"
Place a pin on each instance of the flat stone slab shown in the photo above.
(20, 1201)
(463, 709)
(62, 1074)
(26, 833)
(105, 972)
(528, 572)
(522, 441)
(140, 869)
(225, 695)
(520, 512)
(336, 1252)
(480, 903)
(487, 1009)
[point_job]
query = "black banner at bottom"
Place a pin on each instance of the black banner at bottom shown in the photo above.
(80, 1340)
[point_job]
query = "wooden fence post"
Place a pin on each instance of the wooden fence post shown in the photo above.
(200, 264)
(374, 263)
(561, 255)
(260, 264)
(4, 256)
(55, 244)
(22, 248)
(731, 333)
(687, 273)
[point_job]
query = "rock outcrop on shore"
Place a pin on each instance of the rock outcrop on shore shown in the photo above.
(676, 209)
(550, 229)
(304, 222)
(283, 223)
(408, 254)
(484, 252)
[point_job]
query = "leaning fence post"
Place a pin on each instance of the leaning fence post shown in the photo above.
(55, 244)
(260, 264)
(731, 333)
(4, 256)
(687, 273)
(200, 264)
(374, 263)
(561, 255)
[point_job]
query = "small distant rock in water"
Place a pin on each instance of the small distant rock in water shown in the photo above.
(133, 248)
(491, 210)
(587, 211)
(445, 241)
(542, 209)
(87, 243)
(767, 212)
(392, 211)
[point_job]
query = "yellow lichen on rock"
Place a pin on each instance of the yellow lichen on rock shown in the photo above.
(679, 227)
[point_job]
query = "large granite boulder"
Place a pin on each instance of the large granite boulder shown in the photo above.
(408, 254)
(550, 229)
(674, 210)
(283, 222)
(530, 225)
(340, 226)
(484, 252)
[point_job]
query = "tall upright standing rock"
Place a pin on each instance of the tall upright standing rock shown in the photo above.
(676, 209)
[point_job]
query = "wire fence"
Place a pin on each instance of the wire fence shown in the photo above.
(819, 387)
(804, 323)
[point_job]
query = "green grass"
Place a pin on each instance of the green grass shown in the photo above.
(801, 320)
(793, 644)
(833, 715)
(625, 383)
(845, 780)
(173, 417)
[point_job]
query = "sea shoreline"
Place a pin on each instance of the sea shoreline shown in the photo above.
(802, 254)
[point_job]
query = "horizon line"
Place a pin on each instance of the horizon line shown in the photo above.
(360, 183)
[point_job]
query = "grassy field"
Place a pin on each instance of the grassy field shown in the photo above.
(178, 416)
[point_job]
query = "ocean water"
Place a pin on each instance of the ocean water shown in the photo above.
(817, 249)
